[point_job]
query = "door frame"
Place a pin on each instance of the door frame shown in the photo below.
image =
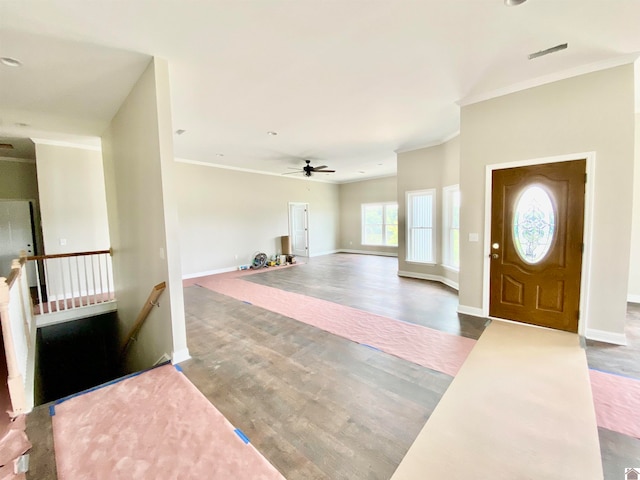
(585, 274)
(290, 215)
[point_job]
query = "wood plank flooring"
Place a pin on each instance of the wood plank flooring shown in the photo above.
(321, 407)
(316, 405)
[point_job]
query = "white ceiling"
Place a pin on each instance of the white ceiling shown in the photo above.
(346, 83)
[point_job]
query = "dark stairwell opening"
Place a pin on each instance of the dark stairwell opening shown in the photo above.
(76, 355)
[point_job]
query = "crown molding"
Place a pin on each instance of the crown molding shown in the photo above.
(247, 170)
(554, 77)
(60, 143)
(444, 140)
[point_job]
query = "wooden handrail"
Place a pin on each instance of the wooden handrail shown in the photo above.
(142, 316)
(64, 255)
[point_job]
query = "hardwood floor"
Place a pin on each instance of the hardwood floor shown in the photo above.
(318, 406)
(371, 283)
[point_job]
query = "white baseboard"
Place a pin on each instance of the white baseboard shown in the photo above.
(473, 311)
(606, 337)
(319, 254)
(367, 252)
(163, 359)
(426, 276)
(180, 356)
(209, 272)
(632, 298)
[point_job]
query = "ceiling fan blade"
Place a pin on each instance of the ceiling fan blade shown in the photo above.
(294, 168)
(324, 171)
(319, 168)
(291, 173)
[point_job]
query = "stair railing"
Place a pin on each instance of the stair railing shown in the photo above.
(72, 280)
(152, 301)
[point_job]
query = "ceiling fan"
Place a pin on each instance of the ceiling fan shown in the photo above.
(308, 169)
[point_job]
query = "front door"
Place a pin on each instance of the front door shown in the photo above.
(299, 228)
(537, 217)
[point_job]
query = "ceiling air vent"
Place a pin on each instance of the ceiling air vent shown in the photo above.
(542, 53)
(6, 146)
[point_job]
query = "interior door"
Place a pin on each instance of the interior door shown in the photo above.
(16, 234)
(299, 228)
(537, 218)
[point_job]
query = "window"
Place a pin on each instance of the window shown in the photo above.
(380, 224)
(451, 235)
(420, 226)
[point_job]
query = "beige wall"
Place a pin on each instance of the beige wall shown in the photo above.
(72, 199)
(593, 112)
(18, 179)
(138, 165)
(352, 196)
(227, 213)
(427, 168)
(634, 263)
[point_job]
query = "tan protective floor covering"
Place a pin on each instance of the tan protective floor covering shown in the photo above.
(520, 407)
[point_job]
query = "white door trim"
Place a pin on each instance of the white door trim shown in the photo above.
(585, 276)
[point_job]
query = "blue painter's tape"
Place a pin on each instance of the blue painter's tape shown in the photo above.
(372, 348)
(244, 438)
(178, 367)
(248, 303)
(52, 410)
(106, 384)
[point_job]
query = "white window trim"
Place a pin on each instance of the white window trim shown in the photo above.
(434, 249)
(363, 225)
(446, 221)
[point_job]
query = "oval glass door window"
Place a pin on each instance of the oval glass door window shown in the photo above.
(533, 224)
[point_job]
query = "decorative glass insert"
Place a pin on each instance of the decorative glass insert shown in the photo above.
(533, 224)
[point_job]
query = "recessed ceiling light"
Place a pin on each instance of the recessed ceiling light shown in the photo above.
(219, 154)
(272, 133)
(513, 3)
(180, 131)
(21, 124)
(10, 62)
(360, 171)
(381, 164)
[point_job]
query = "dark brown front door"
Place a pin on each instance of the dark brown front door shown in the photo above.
(537, 217)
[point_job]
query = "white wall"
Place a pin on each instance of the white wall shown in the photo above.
(593, 112)
(227, 213)
(634, 262)
(72, 199)
(352, 196)
(427, 168)
(138, 164)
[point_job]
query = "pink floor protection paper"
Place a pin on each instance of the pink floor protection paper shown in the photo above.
(616, 399)
(155, 425)
(617, 402)
(421, 345)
